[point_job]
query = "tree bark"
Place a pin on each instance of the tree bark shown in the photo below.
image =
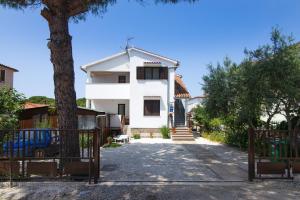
(60, 46)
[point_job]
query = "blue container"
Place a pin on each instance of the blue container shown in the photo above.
(33, 139)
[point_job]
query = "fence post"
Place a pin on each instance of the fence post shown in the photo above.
(96, 155)
(11, 146)
(251, 155)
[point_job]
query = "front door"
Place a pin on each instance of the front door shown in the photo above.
(179, 113)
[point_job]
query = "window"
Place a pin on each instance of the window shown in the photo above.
(152, 73)
(122, 79)
(2, 76)
(155, 73)
(151, 107)
(148, 73)
(121, 109)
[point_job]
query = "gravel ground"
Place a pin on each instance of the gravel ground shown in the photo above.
(139, 191)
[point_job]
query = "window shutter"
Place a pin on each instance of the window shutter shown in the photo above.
(140, 74)
(164, 73)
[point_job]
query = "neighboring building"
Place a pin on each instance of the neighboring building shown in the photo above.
(140, 86)
(7, 76)
(37, 115)
(194, 102)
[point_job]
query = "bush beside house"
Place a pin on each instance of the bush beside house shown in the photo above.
(165, 132)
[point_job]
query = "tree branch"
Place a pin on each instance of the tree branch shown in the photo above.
(45, 12)
(77, 7)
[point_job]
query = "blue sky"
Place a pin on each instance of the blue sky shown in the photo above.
(196, 34)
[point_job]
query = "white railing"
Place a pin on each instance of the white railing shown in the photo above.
(107, 91)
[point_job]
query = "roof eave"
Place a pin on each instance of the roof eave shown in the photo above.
(175, 62)
(84, 67)
(11, 68)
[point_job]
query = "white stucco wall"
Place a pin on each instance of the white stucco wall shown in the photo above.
(107, 91)
(146, 88)
(118, 64)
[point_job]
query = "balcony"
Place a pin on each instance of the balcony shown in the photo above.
(107, 91)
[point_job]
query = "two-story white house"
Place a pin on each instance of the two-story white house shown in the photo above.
(140, 86)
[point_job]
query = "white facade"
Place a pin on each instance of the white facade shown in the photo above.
(194, 102)
(105, 93)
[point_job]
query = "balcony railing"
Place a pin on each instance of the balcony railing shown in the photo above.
(107, 91)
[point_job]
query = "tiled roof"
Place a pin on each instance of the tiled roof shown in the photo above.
(15, 70)
(29, 105)
(180, 88)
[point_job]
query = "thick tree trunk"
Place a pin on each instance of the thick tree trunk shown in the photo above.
(65, 96)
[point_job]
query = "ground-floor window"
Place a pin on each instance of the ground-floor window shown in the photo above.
(151, 107)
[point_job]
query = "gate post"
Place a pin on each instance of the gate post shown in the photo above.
(251, 155)
(96, 155)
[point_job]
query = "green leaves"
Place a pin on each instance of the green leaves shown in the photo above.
(11, 103)
(267, 82)
(77, 9)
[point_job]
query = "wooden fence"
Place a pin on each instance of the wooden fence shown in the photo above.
(273, 154)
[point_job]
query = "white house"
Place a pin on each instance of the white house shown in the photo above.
(140, 86)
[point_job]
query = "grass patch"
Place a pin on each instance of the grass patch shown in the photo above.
(112, 145)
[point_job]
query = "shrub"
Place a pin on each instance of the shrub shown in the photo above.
(239, 139)
(218, 136)
(136, 136)
(216, 124)
(165, 132)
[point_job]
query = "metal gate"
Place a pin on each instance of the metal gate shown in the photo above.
(273, 154)
(38, 154)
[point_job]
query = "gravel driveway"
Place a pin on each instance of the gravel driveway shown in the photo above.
(198, 161)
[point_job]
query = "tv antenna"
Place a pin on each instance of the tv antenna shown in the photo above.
(128, 42)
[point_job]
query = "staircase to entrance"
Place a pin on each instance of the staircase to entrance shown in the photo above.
(182, 133)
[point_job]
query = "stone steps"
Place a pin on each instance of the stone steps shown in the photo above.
(182, 134)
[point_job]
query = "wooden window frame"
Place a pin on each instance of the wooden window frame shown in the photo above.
(162, 73)
(153, 112)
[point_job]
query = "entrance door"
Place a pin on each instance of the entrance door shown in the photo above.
(179, 113)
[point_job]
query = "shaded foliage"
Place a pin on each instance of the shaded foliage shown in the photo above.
(11, 103)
